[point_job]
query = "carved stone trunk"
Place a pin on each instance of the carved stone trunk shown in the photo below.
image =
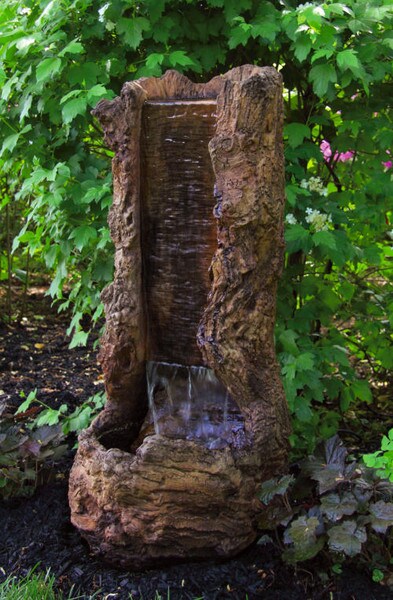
(150, 484)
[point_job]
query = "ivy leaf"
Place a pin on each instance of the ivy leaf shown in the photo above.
(320, 76)
(132, 30)
(275, 487)
(328, 466)
(47, 68)
(347, 538)
(381, 515)
(335, 506)
(76, 106)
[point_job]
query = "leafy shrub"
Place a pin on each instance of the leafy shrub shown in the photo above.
(335, 307)
(27, 456)
(335, 506)
(73, 422)
(29, 449)
(382, 460)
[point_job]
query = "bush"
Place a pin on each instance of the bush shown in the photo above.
(336, 301)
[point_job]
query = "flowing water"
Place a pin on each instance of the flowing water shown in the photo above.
(190, 402)
(179, 238)
(179, 231)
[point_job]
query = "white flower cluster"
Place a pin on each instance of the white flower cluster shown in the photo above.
(290, 219)
(317, 220)
(314, 184)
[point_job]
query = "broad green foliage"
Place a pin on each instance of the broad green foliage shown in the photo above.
(335, 310)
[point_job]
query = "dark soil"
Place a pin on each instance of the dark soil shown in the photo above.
(35, 355)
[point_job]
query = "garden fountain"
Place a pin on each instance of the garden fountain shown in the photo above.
(195, 417)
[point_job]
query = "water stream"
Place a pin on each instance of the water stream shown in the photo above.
(190, 402)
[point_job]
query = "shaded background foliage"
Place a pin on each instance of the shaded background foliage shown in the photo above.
(335, 312)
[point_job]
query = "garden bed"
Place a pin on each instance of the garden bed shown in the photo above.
(35, 355)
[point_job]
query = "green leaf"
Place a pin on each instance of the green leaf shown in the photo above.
(180, 58)
(320, 76)
(97, 92)
(325, 239)
(73, 47)
(48, 417)
(347, 538)
(240, 34)
(47, 68)
(347, 59)
(302, 47)
(302, 408)
(362, 390)
(132, 30)
(154, 59)
(275, 487)
(335, 506)
(9, 143)
(288, 340)
(79, 339)
(297, 238)
(72, 108)
(82, 235)
(296, 133)
(25, 107)
(330, 299)
(26, 404)
(305, 361)
(302, 533)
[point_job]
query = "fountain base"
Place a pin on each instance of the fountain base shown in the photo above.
(170, 470)
(169, 500)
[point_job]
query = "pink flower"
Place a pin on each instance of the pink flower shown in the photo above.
(344, 156)
(325, 149)
(388, 164)
(338, 156)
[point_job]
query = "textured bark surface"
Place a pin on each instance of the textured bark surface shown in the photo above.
(171, 499)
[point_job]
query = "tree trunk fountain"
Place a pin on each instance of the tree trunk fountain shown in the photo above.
(196, 417)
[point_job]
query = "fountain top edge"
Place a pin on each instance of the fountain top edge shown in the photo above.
(186, 101)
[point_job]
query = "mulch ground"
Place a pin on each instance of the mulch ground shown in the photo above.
(34, 354)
